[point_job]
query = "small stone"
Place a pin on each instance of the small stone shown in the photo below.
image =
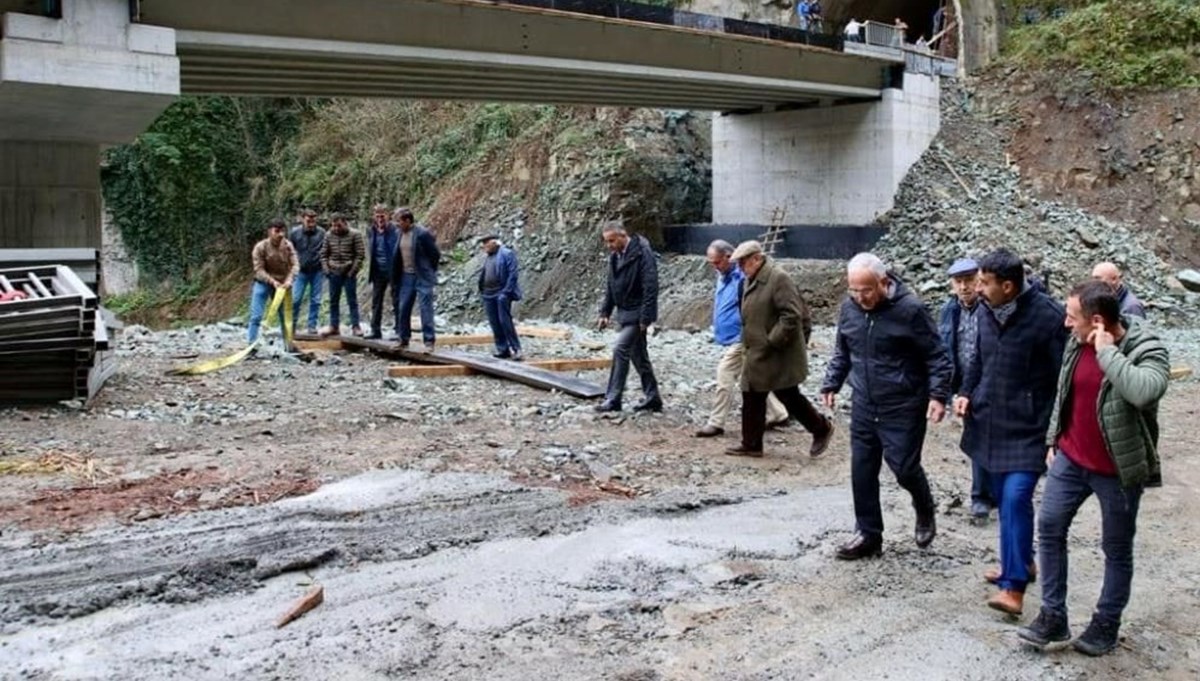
(1190, 279)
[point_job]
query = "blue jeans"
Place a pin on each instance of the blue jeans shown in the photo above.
(413, 290)
(1014, 493)
(260, 297)
(337, 284)
(504, 331)
(311, 282)
(1067, 487)
(981, 485)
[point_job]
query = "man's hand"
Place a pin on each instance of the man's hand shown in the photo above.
(1100, 338)
(962, 405)
(828, 399)
(287, 283)
(936, 411)
(1049, 456)
(602, 323)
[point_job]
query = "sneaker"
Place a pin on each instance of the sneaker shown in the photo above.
(1099, 638)
(1047, 629)
(357, 331)
(429, 348)
(980, 510)
(312, 331)
(517, 357)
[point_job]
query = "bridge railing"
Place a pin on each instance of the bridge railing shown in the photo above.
(637, 11)
(883, 35)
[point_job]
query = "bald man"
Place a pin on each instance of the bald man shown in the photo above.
(1110, 274)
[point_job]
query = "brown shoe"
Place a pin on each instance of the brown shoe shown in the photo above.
(1010, 602)
(992, 575)
(710, 431)
(821, 442)
(742, 450)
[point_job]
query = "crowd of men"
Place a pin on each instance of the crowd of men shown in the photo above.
(1066, 391)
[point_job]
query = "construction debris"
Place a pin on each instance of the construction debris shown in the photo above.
(55, 340)
(310, 600)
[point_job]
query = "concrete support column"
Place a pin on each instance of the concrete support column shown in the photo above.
(50, 195)
(835, 165)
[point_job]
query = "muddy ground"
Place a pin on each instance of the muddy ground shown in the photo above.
(472, 528)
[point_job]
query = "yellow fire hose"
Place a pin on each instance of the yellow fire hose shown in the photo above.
(283, 297)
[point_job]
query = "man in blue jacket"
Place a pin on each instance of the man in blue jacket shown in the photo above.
(382, 239)
(1005, 400)
(888, 347)
(499, 287)
(414, 275)
(959, 325)
(631, 301)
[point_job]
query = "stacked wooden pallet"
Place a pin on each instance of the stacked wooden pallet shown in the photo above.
(54, 338)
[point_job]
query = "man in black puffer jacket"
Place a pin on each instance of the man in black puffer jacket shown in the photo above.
(889, 349)
(631, 301)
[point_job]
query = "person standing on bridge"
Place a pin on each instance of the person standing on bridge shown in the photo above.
(1103, 440)
(1110, 274)
(775, 331)
(500, 287)
(854, 31)
(382, 238)
(888, 347)
(309, 241)
(414, 276)
(631, 301)
(803, 9)
(727, 332)
(1005, 401)
(341, 259)
(275, 267)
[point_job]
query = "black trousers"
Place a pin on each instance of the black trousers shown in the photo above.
(379, 290)
(895, 436)
(631, 347)
(754, 414)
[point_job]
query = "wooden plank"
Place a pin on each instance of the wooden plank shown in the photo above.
(584, 364)
(521, 373)
(327, 344)
(448, 370)
(307, 602)
(540, 332)
(465, 340)
(1180, 372)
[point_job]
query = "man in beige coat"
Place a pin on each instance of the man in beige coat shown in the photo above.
(775, 330)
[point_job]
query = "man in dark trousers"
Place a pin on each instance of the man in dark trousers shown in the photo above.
(341, 260)
(888, 347)
(959, 326)
(382, 238)
(499, 287)
(1005, 401)
(414, 276)
(1103, 439)
(775, 330)
(309, 241)
(631, 302)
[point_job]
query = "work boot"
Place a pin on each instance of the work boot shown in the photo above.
(710, 431)
(926, 529)
(743, 450)
(375, 334)
(1007, 601)
(501, 354)
(607, 406)
(1099, 638)
(821, 442)
(1046, 629)
(655, 405)
(992, 575)
(861, 546)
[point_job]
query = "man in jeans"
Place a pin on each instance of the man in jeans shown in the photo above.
(275, 266)
(1103, 440)
(499, 287)
(414, 275)
(308, 239)
(341, 259)
(727, 332)
(382, 238)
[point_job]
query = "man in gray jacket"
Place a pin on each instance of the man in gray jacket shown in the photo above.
(630, 300)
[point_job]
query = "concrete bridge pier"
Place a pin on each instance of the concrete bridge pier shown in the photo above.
(830, 165)
(77, 78)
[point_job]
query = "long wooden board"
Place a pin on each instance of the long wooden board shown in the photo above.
(447, 370)
(521, 373)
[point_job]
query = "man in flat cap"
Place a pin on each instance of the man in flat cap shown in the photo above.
(775, 330)
(499, 287)
(959, 326)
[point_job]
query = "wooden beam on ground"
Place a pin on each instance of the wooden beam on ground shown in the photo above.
(448, 370)
(586, 364)
(328, 344)
(539, 332)
(465, 340)
(1180, 372)
(310, 600)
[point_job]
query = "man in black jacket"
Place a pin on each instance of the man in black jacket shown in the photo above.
(631, 301)
(1005, 401)
(888, 347)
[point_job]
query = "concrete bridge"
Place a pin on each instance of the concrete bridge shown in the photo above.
(822, 133)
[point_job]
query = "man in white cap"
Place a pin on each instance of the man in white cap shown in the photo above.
(775, 330)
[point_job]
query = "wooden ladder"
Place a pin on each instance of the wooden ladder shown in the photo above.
(776, 232)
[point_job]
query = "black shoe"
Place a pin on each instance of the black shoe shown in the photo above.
(821, 442)
(607, 406)
(1046, 629)
(655, 405)
(926, 530)
(375, 335)
(1099, 638)
(861, 546)
(502, 355)
(980, 510)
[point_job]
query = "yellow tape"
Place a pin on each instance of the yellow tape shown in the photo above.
(283, 296)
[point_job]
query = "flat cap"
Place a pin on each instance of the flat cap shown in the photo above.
(963, 266)
(746, 249)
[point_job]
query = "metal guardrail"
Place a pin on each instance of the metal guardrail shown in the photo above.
(883, 35)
